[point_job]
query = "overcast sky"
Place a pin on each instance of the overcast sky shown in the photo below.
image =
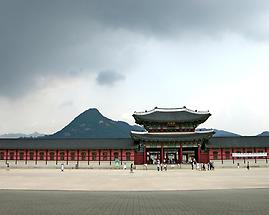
(59, 58)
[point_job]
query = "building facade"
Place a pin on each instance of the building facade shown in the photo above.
(170, 136)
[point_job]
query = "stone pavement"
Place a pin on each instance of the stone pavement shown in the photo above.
(140, 180)
(207, 202)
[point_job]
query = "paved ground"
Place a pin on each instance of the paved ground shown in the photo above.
(120, 180)
(249, 201)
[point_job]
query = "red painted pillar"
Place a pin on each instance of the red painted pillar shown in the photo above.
(199, 153)
(110, 156)
(221, 155)
(88, 156)
(161, 160)
(26, 156)
(16, 156)
(99, 155)
(67, 156)
(232, 154)
(267, 155)
(121, 157)
(145, 154)
(46, 157)
(255, 156)
(36, 153)
(57, 156)
(180, 153)
(6, 155)
(77, 156)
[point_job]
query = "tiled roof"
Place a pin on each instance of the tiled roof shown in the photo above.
(180, 115)
(40, 143)
(240, 141)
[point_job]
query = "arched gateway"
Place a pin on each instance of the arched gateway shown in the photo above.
(171, 135)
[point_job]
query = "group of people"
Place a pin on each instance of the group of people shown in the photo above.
(201, 166)
(161, 166)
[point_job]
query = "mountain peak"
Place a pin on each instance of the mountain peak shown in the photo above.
(92, 124)
(93, 111)
(264, 133)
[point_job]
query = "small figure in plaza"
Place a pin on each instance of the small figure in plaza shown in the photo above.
(124, 166)
(192, 165)
(203, 167)
(131, 168)
(212, 165)
(197, 166)
(158, 166)
(146, 166)
(62, 167)
(161, 166)
(238, 165)
(165, 166)
(248, 165)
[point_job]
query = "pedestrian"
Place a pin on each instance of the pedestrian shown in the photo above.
(146, 166)
(212, 165)
(131, 168)
(62, 167)
(203, 166)
(124, 166)
(197, 166)
(248, 165)
(158, 166)
(161, 166)
(165, 167)
(238, 165)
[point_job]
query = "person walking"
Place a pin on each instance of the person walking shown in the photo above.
(158, 166)
(62, 167)
(165, 166)
(131, 168)
(203, 167)
(248, 165)
(124, 166)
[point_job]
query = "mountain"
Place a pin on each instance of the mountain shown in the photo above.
(21, 135)
(265, 133)
(92, 124)
(220, 133)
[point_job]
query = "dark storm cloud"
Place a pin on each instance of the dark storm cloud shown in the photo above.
(43, 39)
(109, 77)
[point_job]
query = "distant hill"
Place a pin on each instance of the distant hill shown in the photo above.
(265, 133)
(220, 133)
(21, 135)
(92, 124)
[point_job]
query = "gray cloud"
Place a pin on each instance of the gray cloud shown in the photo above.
(43, 39)
(109, 77)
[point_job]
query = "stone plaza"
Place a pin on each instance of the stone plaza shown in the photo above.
(110, 191)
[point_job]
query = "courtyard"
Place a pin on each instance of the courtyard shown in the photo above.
(140, 180)
(104, 191)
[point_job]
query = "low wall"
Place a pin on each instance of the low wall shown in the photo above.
(241, 162)
(69, 164)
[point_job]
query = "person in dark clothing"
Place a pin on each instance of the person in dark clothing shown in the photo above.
(131, 168)
(248, 165)
(203, 166)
